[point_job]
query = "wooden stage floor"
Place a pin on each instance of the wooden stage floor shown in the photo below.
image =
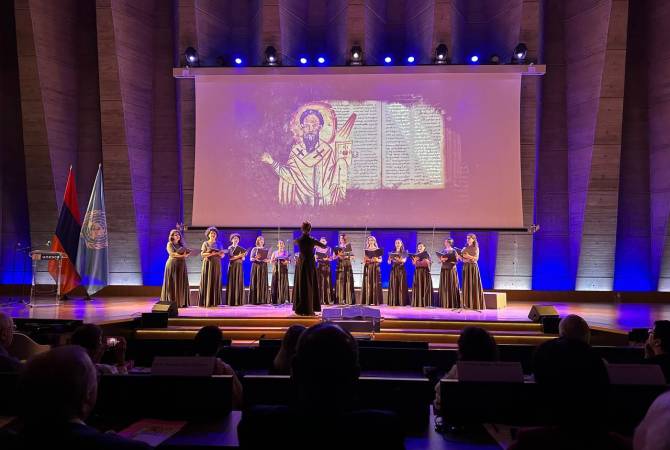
(622, 316)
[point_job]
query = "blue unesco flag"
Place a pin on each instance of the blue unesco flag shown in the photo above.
(92, 262)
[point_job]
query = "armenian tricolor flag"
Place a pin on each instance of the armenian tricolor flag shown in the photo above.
(66, 238)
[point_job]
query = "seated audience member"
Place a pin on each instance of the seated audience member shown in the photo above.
(325, 373)
(59, 390)
(474, 344)
(208, 342)
(653, 433)
(282, 362)
(574, 379)
(573, 326)
(657, 348)
(90, 337)
(7, 362)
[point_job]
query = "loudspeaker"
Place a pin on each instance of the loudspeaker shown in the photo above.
(537, 312)
(166, 307)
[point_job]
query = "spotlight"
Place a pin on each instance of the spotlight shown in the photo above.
(520, 54)
(494, 59)
(474, 59)
(238, 61)
(191, 56)
(321, 60)
(303, 60)
(388, 60)
(270, 56)
(410, 59)
(441, 54)
(356, 56)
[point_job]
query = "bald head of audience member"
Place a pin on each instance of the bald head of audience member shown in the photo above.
(6, 330)
(58, 386)
(325, 367)
(574, 327)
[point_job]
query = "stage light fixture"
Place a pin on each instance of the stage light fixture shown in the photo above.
(474, 59)
(238, 61)
(441, 54)
(303, 61)
(520, 54)
(494, 59)
(321, 60)
(356, 56)
(271, 56)
(410, 59)
(388, 60)
(191, 56)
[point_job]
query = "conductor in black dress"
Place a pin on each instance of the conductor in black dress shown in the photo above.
(306, 289)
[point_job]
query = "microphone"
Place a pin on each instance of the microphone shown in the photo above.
(48, 244)
(262, 336)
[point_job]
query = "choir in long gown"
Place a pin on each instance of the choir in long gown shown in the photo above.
(323, 279)
(398, 292)
(280, 292)
(450, 296)
(422, 287)
(371, 293)
(235, 286)
(210, 278)
(344, 281)
(473, 292)
(305, 287)
(258, 284)
(175, 278)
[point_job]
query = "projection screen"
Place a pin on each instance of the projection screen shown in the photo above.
(395, 149)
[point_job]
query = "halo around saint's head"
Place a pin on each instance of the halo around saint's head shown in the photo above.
(329, 121)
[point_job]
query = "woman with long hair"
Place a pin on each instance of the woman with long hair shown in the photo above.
(258, 285)
(210, 275)
(175, 278)
(235, 286)
(305, 288)
(473, 292)
(371, 294)
(450, 296)
(344, 274)
(397, 294)
(422, 287)
(279, 288)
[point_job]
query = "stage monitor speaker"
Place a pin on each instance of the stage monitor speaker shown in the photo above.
(537, 312)
(354, 318)
(166, 307)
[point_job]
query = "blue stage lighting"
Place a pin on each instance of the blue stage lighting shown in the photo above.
(321, 60)
(410, 59)
(303, 60)
(388, 60)
(474, 58)
(238, 61)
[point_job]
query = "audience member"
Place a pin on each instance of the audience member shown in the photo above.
(325, 374)
(657, 348)
(573, 380)
(573, 326)
(59, 390)
(7, 362)
(653, 433)
(474, 344)
(282, 362)
(90, 337)
(208, 342)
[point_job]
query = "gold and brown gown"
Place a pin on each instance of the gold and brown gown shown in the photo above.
(422, 288)
(175, 278)
(473, 292)
(371, 293)
(398, 291)
(450, 296)
(279, 286)
(258, 284)
(235, 286)
(323, 279)
(210, 277)
(344, 282)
